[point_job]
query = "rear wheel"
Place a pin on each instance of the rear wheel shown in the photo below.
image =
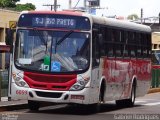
(33, 105)
(128, 102)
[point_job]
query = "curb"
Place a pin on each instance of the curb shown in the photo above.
(154, 90)
(13, 107)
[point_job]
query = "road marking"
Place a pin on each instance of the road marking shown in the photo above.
(152, 104)
(140, 101)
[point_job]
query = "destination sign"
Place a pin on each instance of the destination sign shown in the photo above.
(54, 22)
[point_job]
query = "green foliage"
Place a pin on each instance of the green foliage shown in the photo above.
(11, 4)
(8, 3)
(4, 3)
(27, 6)
(132, 17)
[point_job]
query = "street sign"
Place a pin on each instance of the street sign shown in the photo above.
(12, 24)
(94, 3)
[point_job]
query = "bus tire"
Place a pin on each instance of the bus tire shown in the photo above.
(33, 105)
(130, 102)
(102, 92)
(97, 106)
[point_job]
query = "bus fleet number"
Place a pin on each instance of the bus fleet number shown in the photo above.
(21, 92)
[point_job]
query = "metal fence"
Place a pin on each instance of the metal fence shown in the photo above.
(155, 78)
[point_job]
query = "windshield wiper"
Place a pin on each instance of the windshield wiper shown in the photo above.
(64, 37)
(41, 37)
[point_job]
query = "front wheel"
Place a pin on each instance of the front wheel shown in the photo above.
(33, 105)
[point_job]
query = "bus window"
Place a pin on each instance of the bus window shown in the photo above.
(132, 44)
(138, 42)
(110, 49)
(149, 45)
(125, 47)
(110, 43)
(118, 50)
(104, 39)
(96, 49)
(132, 50)
(118, 44)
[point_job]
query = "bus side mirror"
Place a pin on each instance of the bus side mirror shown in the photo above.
(9, 38)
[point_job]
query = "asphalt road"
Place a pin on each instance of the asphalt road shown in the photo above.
(146, 108)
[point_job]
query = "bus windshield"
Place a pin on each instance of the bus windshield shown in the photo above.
(52, 51)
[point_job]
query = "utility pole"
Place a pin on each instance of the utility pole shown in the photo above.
(70, 4)
(53, 5)
(159, 18)
(85, 4)
(141, 15)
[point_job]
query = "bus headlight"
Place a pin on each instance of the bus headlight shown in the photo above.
(19, 81)
(80, 84)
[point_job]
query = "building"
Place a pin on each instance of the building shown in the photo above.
(153, 22)
(5, 17)
(155, 40)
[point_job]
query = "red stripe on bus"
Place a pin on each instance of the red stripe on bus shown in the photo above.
(49, 82)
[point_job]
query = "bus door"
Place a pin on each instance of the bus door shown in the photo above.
(95, 61)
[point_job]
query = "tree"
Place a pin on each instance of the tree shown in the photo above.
(4, 3)
(13, 3)
(19, 7)
(132, 17)
(27, 6)
(8, 3)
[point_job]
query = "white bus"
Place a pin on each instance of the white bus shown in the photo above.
(77, 58)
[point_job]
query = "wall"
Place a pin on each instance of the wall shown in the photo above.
(155, 40)
(5, 17)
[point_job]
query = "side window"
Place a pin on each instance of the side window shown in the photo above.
(138, 42)
(109, 46)
(95, 46)
(149, 45)
(103, 47)
(132, 44)
(144, 45)
(126, 46)
(118, 44)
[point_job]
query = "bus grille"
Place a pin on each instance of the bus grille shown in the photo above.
(48, 94)
(49, 82)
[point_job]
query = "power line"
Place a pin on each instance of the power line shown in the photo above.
(76, 4)
(53, 5)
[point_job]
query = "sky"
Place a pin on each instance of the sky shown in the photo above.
(110, 7)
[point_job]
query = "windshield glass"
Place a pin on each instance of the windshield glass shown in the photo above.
(52, 51)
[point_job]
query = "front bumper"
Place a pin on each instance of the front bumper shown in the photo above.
(80, 97)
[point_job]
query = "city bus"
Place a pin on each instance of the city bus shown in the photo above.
(76, 58)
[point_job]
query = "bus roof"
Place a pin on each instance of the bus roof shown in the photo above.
(65, 12)
(121, 24)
